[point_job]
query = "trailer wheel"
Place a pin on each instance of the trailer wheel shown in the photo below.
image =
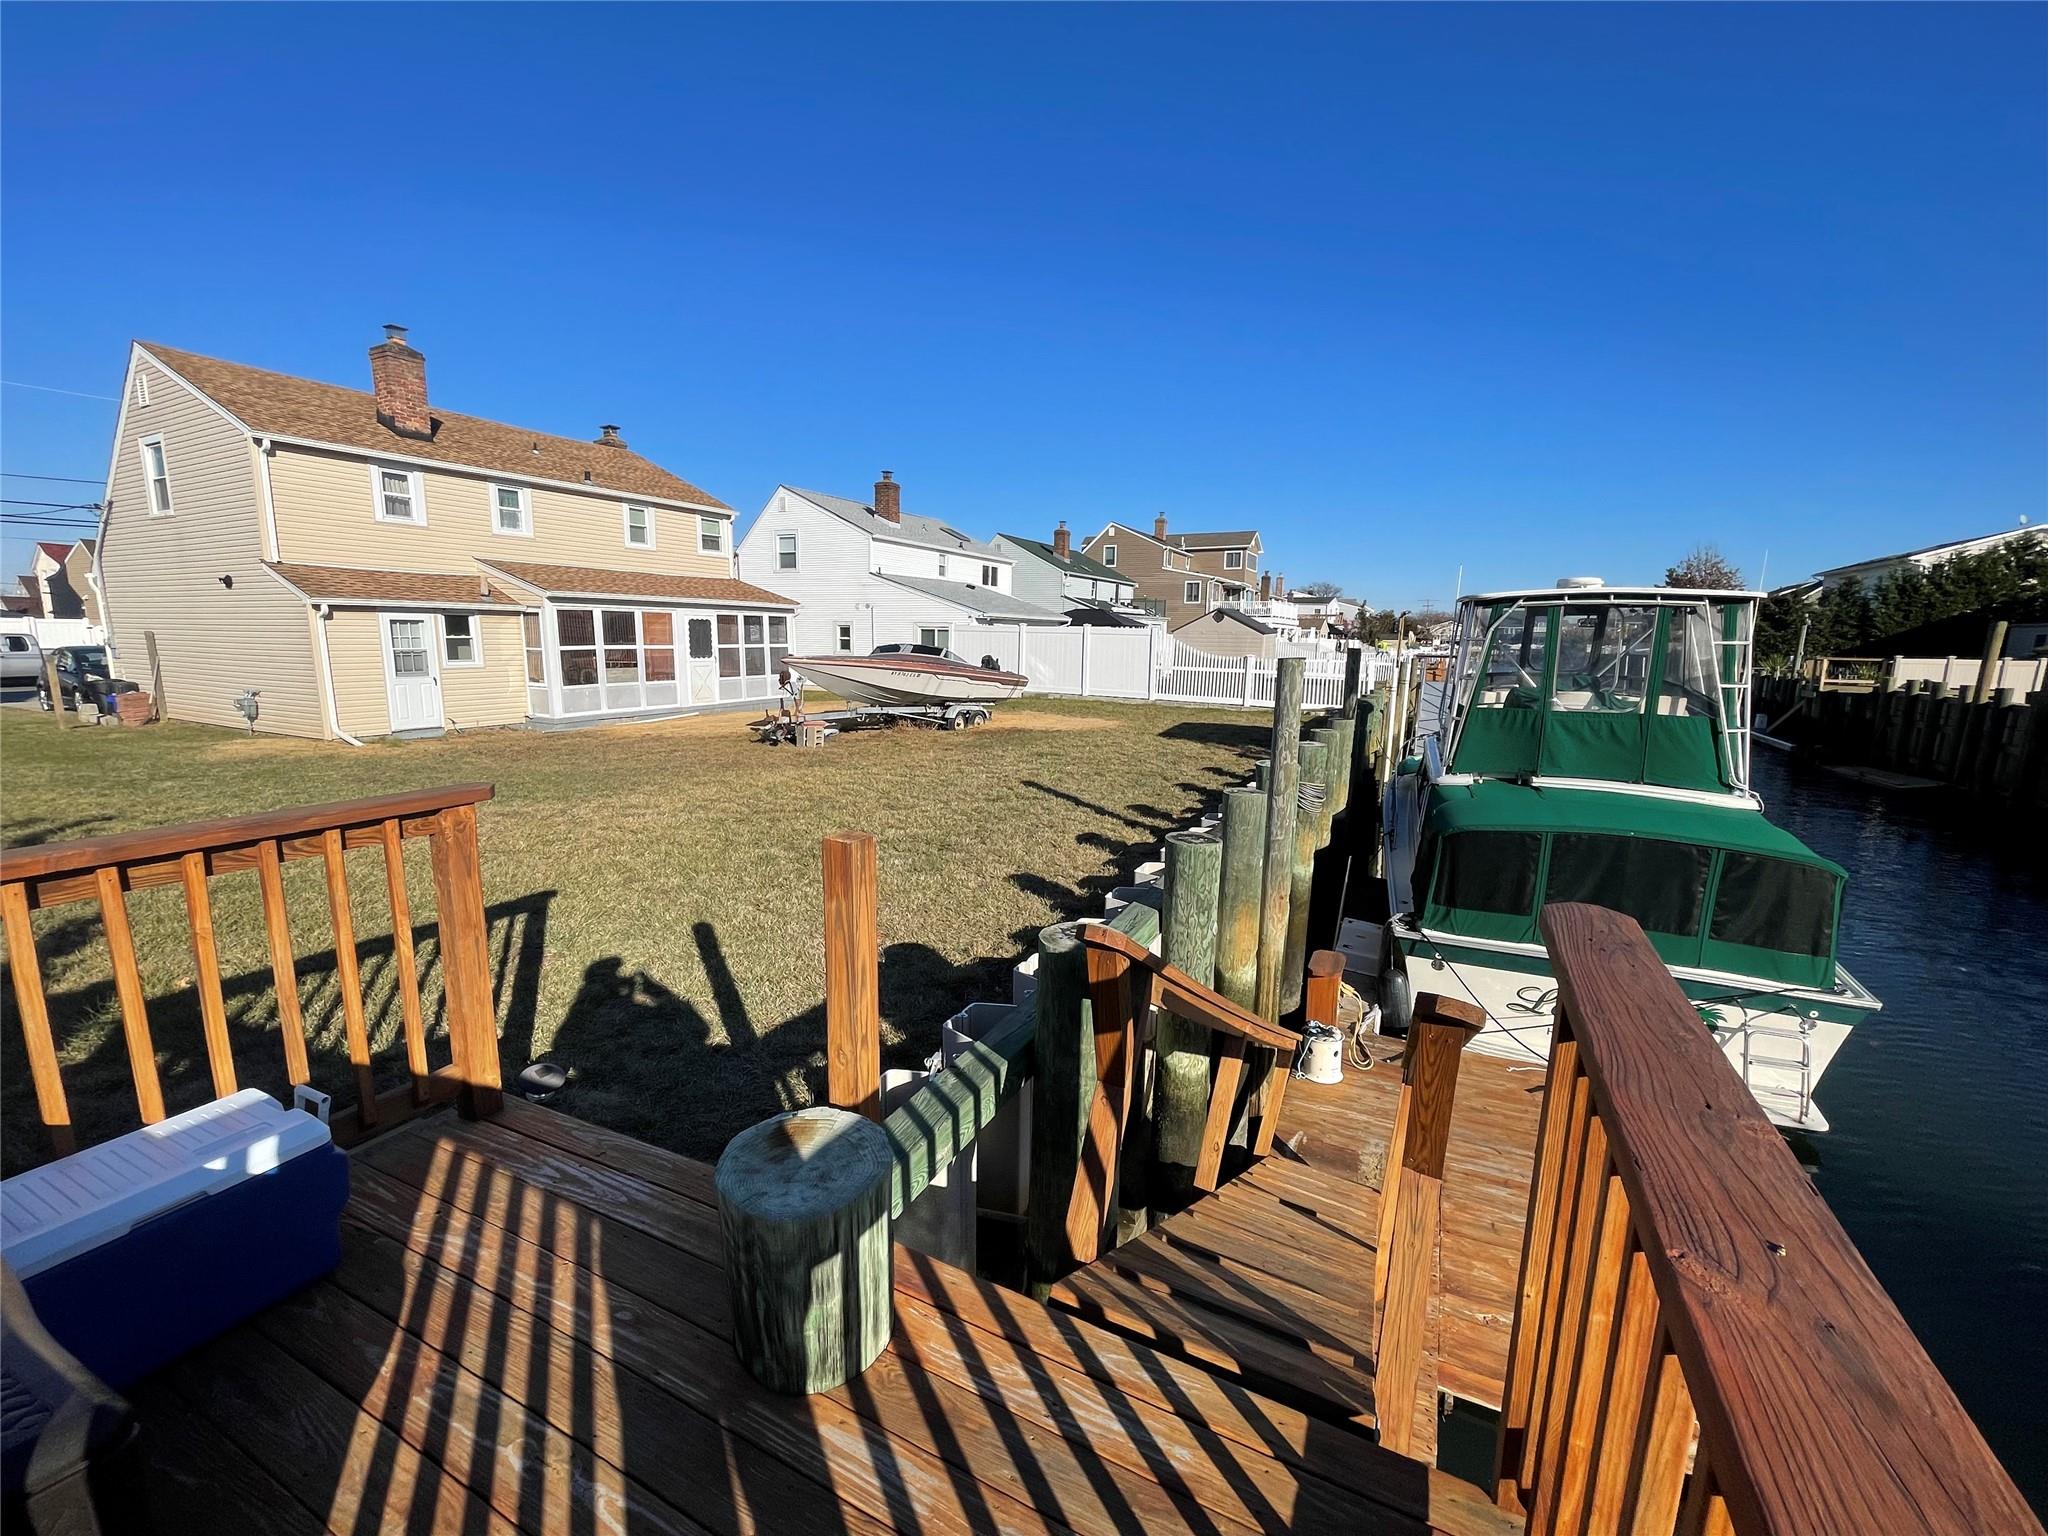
(959, 722)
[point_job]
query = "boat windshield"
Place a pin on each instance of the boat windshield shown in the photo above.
(938, 653)
(1634, 689)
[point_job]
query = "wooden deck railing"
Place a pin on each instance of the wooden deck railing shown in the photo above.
(1684, 1285)
(103, 870)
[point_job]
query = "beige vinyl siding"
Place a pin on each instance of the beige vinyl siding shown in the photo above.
(327, 515)
(492, 694)
(1216, 635)
(355, 659)
(163, 574)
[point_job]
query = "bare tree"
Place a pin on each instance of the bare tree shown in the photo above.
(1706, 569)
(1321, 591)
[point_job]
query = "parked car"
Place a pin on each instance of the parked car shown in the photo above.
(82, 671)
(21, 659)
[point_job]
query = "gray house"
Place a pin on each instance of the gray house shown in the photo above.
(1060, 577)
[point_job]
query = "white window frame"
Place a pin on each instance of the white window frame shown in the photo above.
(525, 528)
(715, 528)
(991, 576)
(1233, 559)
(1191, 591)
(149, 476)
(476, 641)
(1109, 555)
(936, 629)
(942, 565)
(626, 511)
(842, 639)
(795, 549)
(141, 387)
(416, 490)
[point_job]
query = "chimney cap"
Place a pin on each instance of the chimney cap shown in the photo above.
(608, 434)
(888, 474)
(395, 333)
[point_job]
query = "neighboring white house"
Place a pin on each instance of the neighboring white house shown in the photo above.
(868, 573)
(1871, 572)
(1058, 577)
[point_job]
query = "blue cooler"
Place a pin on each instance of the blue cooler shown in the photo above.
(141, 1248)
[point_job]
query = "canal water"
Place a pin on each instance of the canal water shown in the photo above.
(1938, 1161)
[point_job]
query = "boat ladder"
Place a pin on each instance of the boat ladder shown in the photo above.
(1776, 1095)
(1735, 701)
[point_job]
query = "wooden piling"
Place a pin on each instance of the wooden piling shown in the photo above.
(1180, 1093)
(1237, 897)
(1277, 879)
(1346, 727)
(1994, 643)
(56, 687)
(1063, 1087)
(1329, 738)
(803, 1203)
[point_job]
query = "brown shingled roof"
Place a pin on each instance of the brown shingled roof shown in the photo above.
(588, 582)
(346, 584)
(280, 405)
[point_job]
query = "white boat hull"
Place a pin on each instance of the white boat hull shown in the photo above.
(871, 680)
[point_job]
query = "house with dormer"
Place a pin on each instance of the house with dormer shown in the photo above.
(351, 563)
(868, 573)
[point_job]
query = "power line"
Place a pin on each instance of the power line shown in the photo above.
(52, 389)
(16, 474)
(61, 506)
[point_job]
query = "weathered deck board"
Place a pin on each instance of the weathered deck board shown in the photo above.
(529, 1333)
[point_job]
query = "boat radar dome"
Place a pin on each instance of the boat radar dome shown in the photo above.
(1578, 583)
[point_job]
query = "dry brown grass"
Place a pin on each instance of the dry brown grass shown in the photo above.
(653, 891)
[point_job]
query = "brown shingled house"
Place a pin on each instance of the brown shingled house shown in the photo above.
(368, 563)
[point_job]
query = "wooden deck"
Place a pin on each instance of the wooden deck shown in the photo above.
(529, 1332)
(1270, 1279)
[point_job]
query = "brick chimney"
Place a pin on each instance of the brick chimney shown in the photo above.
(608, 434)
(1062, 541)
(1265, 586)
(398, 374)
(889, 498)
(1159, 527)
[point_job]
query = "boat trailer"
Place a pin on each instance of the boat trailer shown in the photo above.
(787, 727)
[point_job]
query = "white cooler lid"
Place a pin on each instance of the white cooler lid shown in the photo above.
(76, 1203)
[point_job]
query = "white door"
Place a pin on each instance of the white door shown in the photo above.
(412, 680)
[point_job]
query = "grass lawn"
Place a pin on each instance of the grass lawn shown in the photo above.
(653, 893)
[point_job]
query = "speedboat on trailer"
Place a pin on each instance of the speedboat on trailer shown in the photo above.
(1592, 745)
(907, 676)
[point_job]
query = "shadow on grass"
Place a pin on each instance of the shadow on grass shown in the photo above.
(1254, 734)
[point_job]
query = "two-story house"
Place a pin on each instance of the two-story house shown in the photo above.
(1058, 577)
(366, 563)
(1190, 573)
(62, 576)
(868, 573)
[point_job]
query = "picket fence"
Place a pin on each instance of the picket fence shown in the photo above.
(1098, 663)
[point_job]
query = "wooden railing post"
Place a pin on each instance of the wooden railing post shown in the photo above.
(466, 962)
(1180, 1091)
(1411, 1210)
(853, 1028)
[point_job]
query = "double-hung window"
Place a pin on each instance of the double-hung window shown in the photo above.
(639, 527)
(785, 551)
(1109, 555)
(710, 535)
(511, 510)
(938, 637)
(1233, 559)
(845, 637)
(460, 644)
(399, 499)
(942, 565)
(1191, 591)
(156, 470)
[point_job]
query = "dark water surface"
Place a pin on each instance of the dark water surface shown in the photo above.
(1938, 1161)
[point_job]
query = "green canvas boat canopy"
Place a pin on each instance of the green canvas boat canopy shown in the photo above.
(1714, 886)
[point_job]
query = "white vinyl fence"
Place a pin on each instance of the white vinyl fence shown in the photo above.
(1100, 663)
(51, 633)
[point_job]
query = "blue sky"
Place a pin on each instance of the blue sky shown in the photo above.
(1524, 289)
